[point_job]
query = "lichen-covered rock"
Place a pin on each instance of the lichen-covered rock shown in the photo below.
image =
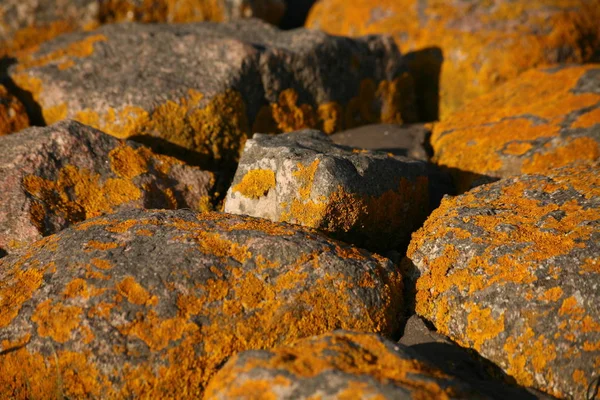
(483, 43)
(372, 199)
(148, 304)
(544, 119)
(338, 365)
(512, 270)
(203, 87)
(26, 23)
(53, 177)
(13, 116)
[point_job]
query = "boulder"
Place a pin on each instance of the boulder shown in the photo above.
(149, 304)
(463, 49)
(546, 118)
(13, 116)
(511, 270)
(55, 176)
(336, 365)
(27, 23)
(372, 199)
(197, 90)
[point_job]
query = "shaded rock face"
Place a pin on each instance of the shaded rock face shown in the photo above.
(151, 303)
(542, 120)
(228, 79)
(482, 43)
(511, 270)
(335, 366)
(25, 23)
(13, 116)
(53, 177)
(374, 200)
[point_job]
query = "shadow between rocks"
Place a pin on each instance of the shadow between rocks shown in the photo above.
(425, 65)
(32, 108)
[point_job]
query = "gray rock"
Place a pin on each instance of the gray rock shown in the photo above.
(336, 365)
(197, 90)
(149, 304)
(511, 270)
(53, 177)
(374, 200)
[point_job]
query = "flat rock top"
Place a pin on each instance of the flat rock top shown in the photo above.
(541, 120)
(167, 296)
(511, 269)
(336, 365)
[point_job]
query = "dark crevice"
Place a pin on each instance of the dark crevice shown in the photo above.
(32, 108)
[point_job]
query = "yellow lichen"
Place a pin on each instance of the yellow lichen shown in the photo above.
(256, 183)
(56, 320)
(134, 292)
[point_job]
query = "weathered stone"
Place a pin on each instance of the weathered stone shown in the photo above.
(540, 121)
(25, 23)
(149, 304)
(482, 43)
(512, 270)
(53, 177)
(371, 199)
(13, 116)
(203, 87)
(336, 365)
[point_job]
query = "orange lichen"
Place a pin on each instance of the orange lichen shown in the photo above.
(81, 49)
(358, 355)
(256, 183)
(495, 134)
(13, 116)
(97, 245)
(127, 162)
(134, 292)
(588, 119)
(56, 320)
(483, 44)
(161, 10)
(15, 290)
(80, 288)
(306, 176)
(482, 326)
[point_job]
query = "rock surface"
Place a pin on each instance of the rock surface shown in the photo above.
(511, 269)
(13, 116)
(26, 23)
(482, 43)
(197, 90)
(336, 365)
(53, 177)
(374, 200)
(542, 120)
(148, 304)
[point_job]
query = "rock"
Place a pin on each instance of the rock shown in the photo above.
(542, 120)
(477, 44)
(13, 116)
(53, 177)
(197, 90)
(149, 304)
(26, 23)
(374, 200)
(403, 140)
(511, 270)
(336, 365)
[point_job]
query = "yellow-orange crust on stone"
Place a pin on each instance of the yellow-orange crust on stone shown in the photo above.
(13, 116)
(361, 361)
(483, 44)
(528, 125)
(62, 324)
(508, 269)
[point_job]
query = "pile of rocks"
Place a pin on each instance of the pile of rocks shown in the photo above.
(223, 209)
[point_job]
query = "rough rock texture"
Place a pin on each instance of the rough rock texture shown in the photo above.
(511, 269)
(542, 120)
(374, 200)
(148, 304)
(25, 23)
(53, 177)
(482, 43)
(13, 116)
(338, 365)
(202, 87)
